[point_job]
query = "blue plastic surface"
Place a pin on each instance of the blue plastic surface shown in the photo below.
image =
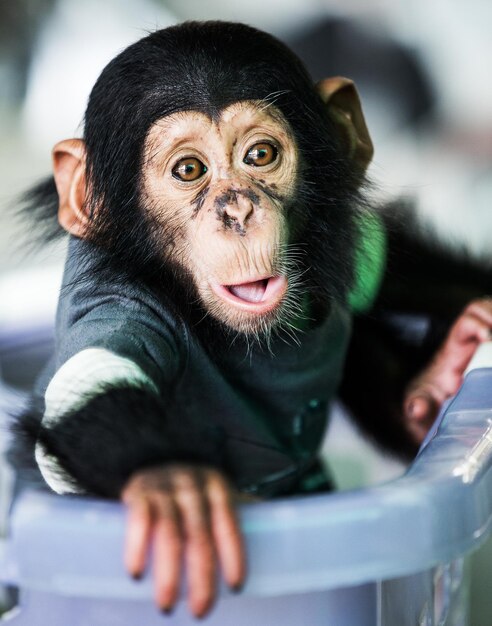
(312, 550)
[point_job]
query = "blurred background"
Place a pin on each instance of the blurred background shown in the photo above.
(424, 74)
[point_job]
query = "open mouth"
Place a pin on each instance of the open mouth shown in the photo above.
(259, 296)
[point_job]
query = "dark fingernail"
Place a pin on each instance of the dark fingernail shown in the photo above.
(205, 612)
(167, 610)
(237, 588)
(137, 576)
(202, 616)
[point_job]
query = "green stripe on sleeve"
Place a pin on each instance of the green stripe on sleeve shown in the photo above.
(370, 263)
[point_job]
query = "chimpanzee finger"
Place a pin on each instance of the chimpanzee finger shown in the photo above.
(226, 532)
(199, 552)
(421, 406)
(470, 327)
(138, 530)
(168, 545)
(418, 430)
(482, 309)
(421, 409)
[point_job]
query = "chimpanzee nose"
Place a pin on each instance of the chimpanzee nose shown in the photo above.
(240, 209)
(235, 207)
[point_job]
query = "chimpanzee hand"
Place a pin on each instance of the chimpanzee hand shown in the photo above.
(188, 511)
(443, 377)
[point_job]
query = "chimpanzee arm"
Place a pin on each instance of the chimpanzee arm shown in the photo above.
(426, 275)
(104, 413)
(104, 418)
(424, 288)
(97, 447)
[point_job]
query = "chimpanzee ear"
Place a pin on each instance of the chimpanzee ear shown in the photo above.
(343, 103)
(69, 173)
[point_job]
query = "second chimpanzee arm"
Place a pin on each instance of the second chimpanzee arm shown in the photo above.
(425, 287)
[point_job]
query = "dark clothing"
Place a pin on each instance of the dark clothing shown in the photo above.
(270, 408)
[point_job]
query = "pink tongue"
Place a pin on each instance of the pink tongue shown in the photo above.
(251, 292)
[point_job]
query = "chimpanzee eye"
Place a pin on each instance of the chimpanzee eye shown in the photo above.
(189, 169)
(261, 154)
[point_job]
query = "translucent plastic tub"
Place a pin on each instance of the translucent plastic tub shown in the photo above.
(391, 555)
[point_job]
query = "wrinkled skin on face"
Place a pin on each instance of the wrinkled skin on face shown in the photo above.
(222, 188)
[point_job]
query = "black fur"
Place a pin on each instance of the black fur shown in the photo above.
(426, 284)
(425, 274)
(207, 66)
(204, 67)
(103, 443)
(39, 207)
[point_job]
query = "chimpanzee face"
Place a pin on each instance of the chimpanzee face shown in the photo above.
(223, 187)
(213, 170)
